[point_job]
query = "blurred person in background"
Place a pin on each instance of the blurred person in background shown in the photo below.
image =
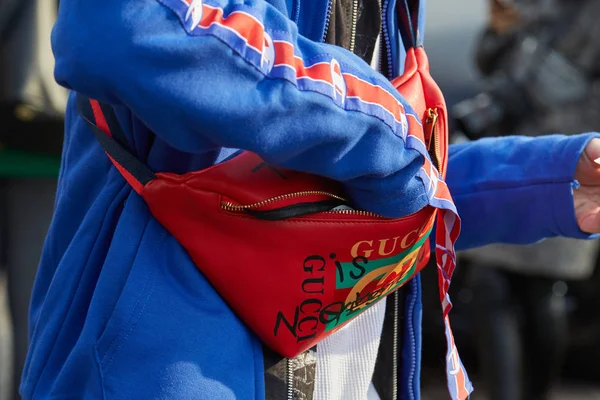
(31, 115)
(541, 63)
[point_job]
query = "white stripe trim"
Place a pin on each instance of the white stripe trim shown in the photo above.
(313, 79)
(376, 104)
(444, 200)
(285, 65)
(418, 139)
(402, 108)
(315, 64)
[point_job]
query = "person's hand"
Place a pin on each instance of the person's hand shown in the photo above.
(587, 197)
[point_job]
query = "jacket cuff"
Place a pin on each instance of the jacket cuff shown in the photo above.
(562, 193)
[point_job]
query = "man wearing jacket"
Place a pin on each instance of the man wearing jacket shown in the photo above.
(119, 311)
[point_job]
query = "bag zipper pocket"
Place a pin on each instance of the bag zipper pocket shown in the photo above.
(323, 202)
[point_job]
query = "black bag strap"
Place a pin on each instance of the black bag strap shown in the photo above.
(102, 120)
(411, 22)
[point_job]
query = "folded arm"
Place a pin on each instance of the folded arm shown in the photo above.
(220, 73)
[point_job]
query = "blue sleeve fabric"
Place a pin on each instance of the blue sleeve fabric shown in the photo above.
(515, 190)
(203, 75)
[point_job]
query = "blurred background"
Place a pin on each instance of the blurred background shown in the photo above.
(31, 131)
(525, 318)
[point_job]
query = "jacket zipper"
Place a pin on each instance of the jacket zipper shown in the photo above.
(390, 70)
(353, 26)
(229, 206)
(410, 310)
(386, 37)
(296, 12)
(327, 20)
(290, 379)
(233, 207)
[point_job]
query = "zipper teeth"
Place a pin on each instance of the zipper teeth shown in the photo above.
(290, 380)
(411, 308)
(386, 36)
(438, 151)
(433, 117)
(438, 156)
(327, 19)
(236, 207)
(381, 50)
(395, 350)
(296, 17)
(353, 212)
(354, 21)
(228, 206)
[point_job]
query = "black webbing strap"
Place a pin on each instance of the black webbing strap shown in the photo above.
(103, 122)
(410, 22)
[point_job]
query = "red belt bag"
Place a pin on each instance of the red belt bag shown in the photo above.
(269, 240)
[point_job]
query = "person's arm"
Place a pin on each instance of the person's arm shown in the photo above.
(214, 85)
(515, 190)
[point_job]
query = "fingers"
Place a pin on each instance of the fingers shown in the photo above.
(590, 222)
(588, 167)
(587, 208)
(592, 151)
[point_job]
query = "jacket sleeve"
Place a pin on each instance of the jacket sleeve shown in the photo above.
(515, 190)
(226, 73)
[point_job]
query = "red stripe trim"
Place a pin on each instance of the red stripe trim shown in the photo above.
(242, 23)
(284, 54)
(320, 72)
(415, 129)
(99, 117)
(460, 377)
(443, 192)
(373, 94)
(455, 369)
(103, 126)
(252, 30)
